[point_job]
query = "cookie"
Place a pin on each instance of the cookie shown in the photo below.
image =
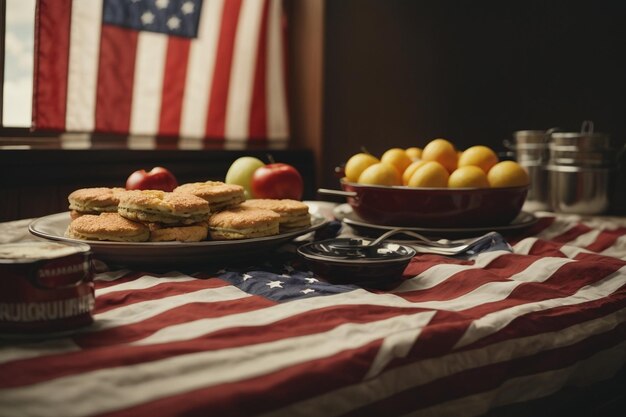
(107, 226)
(219, 195)
(94, 200)
(294, 215)
(243, 223)
(155, 206)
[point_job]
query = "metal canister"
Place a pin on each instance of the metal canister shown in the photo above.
(45, 287)
(579, 168)
(530, 148)
(579, 189)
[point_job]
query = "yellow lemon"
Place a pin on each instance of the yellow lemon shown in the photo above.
(357, 164)
(507, 174)
(410, 170)
(442, 151)
(414, 153)
(431, 174)
(380, 173)
(480, 156)
(469, 176)
(396, 157)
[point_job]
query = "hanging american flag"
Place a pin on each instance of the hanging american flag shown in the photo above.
(458, 337)
(211, 69)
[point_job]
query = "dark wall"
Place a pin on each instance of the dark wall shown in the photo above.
(401, 72)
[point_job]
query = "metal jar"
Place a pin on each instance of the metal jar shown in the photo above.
(530, 148)
(580, 168)
(579, 189)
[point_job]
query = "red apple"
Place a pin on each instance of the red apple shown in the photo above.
(277, 181)
(158, 178)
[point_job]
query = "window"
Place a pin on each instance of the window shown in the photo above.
(18, 63)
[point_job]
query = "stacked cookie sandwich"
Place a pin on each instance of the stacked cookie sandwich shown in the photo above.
(294, 215)
(243, 223)
(94, 200)
(219, 195)
(107, 226)
(170, 216)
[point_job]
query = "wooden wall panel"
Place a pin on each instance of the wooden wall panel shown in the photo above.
(36, 182)
(305, 65)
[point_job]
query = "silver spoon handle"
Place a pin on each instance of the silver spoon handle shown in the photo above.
(413, 234)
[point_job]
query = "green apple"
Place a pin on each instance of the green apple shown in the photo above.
(240, 172)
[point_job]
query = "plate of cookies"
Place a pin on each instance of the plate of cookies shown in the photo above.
(195, 223)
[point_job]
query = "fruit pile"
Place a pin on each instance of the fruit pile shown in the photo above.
(439, 165)
(275, 180)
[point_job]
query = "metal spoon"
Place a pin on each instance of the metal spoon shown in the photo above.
(442, 246)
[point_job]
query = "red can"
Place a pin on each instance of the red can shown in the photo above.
(45, 287)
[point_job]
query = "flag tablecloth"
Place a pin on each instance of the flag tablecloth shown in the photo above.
(458, 337)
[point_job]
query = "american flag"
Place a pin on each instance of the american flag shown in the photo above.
(458, 337)
(196, 69)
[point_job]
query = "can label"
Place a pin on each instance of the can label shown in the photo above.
(49, 310)
(45, 287)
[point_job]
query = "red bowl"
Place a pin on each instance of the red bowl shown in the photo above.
(435, 207)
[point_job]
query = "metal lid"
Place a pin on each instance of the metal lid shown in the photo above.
(531, 136)
(584, 140)
(350, 251)
(30, 252)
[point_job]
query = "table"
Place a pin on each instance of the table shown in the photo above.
(458, 337)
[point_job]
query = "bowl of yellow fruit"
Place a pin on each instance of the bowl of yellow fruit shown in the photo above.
(437, 186)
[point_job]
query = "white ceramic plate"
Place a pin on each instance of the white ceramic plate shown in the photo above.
(345, 213)
(158, 253)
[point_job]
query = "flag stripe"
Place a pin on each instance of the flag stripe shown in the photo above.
(174, 81)
(111, 300)
(134, 313)
(148, 83)
(216, 117)
(494, 321)
(557, 318)
(134, 332)
(52, 46)
(572, 233)
(258, 111)
(83, 65)
(201, 69)
(138, 281)
(244, 62)
(606, 239)
(115, 79)
(463, 281)
(436, 275)
(277, 111)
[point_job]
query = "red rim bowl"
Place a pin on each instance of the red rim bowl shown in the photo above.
(435, 207)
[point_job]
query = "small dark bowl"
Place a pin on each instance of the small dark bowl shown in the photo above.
(435, 207)
(377, 268)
